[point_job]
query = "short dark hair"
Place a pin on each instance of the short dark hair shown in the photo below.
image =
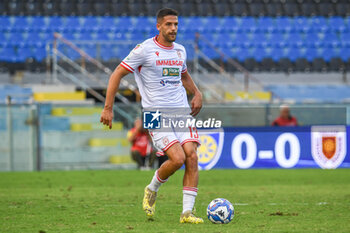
(166, 11)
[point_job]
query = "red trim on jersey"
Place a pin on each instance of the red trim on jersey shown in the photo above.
(184, 71)
(190, 140)
(139, 68)
(170, 144)
(159, 153)
(160, 45)
(126, 66)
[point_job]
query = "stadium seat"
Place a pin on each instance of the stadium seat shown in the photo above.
(326, 9)
(337, 24)
(90, 23)
(291, 9)
(15, 7)
(257, 9)
(50, 7)
(265, 24)
(33, 7)
(248, 24)
(284, 24)
(84, 8)
(222, 9)
(274, 9)
(20, 23)
(37, 24)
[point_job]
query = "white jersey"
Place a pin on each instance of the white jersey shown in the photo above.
(157, 71)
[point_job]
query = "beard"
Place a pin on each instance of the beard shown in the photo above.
(169, 37)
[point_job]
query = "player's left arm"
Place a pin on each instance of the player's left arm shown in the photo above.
(190, 86)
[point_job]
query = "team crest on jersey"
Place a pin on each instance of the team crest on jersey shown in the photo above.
(328, 145)
(178, 53)
(209, 151)
(171, 71)
(157, 53)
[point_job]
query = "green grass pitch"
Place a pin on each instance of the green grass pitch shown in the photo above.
(305, 200)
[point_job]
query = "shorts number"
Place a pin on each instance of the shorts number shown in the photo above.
(193, 132)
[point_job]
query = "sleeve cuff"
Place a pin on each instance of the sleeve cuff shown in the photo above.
(184, 71)
(126, 66)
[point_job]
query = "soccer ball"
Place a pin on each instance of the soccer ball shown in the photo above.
(220, 210)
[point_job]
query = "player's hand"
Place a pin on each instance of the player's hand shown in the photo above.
(107, 117)
(196, 104)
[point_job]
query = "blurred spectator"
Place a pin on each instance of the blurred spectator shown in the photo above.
(141, 149)
(285, 118)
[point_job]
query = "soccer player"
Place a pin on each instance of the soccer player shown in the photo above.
(159, 67)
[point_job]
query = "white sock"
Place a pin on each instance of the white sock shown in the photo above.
(156, 182)
(189, 197)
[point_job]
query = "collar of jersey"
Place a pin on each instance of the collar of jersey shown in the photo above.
(162, 46)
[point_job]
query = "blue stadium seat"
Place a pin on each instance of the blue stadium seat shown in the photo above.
(16, 38)
(90, 23)
(90, 49)
(242, 40)
(7, 54)
(142, 24)
(194, 24)
(259, 54)
(5, 23)
(284, 24)
(330, 40)
(212, 24)
(319, 24)
(345, 39)
(292, 53)
(124, 24)
(106, 52)
(107, 23)
(344, 54)
(259, 40)
(294, 39)
(276, 54)
(312, 39)
(311, 54)
(20, 23)
(23, 53)
(266, 24)
(230, 24)
(337, 24)
(301, 24)
(85, 35)
(328, 53)
(137, 36)
(72, 23)
(39, 53)
(248, 24)
(118, 36)
(38, 24)
(276, 39)
(102, 35)
(55, 23)
(34, 38)
(210, 52)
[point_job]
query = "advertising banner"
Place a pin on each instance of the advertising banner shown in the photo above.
(275, 147)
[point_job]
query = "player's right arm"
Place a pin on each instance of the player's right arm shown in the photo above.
(113, 85)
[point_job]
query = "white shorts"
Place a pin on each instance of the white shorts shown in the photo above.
(164, 140)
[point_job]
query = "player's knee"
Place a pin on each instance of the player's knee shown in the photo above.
(179, 161)
(192, 158)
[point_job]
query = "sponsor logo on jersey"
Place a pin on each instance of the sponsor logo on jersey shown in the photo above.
(328, 145)
(171, 82)
(169, 62)
(178, 53)
(171, 72)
